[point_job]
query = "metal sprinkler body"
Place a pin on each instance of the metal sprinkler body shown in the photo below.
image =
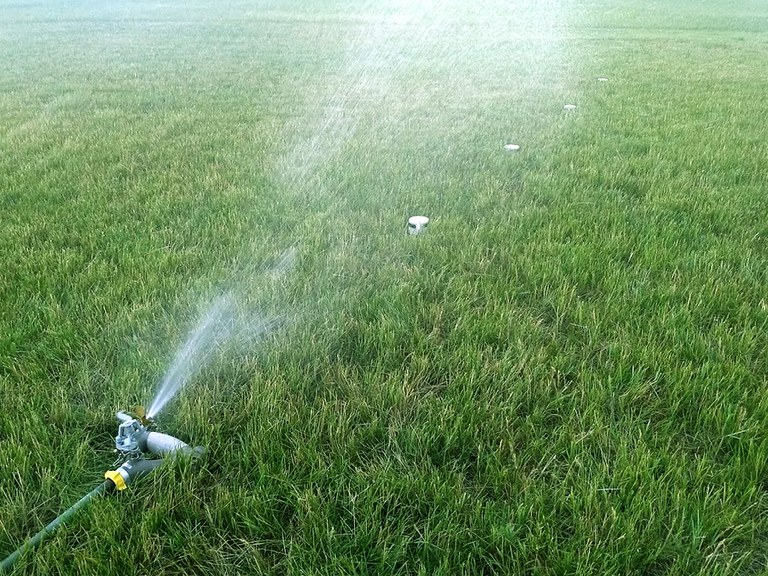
(129, 431)
(134, 440)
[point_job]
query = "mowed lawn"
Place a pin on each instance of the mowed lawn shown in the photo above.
(564, 374)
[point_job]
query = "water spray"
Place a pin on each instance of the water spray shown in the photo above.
(142, 449)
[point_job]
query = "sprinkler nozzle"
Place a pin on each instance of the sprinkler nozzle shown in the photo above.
(141, 415)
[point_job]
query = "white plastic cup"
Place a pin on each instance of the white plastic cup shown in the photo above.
(417, 224)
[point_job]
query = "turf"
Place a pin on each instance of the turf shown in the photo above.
(564, 374)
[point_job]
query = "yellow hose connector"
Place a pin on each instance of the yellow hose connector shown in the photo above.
(117, 479)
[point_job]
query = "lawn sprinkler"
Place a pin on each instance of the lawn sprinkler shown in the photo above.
(142, 450)
(417, 224)
(135, 441)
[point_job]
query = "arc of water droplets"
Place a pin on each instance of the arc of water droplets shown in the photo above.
(221, 325)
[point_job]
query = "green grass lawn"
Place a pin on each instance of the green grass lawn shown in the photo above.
(566, 374)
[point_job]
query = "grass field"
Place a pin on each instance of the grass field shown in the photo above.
(566, 374)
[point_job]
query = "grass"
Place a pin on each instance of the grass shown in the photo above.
(564, 375)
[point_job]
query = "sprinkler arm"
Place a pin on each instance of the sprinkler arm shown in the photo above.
(135, 468)
(131, 470)
(164, 444)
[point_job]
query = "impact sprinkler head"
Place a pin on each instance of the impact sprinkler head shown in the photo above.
(132, 431)
(129, 431)
(135, 441)
(134, 438)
